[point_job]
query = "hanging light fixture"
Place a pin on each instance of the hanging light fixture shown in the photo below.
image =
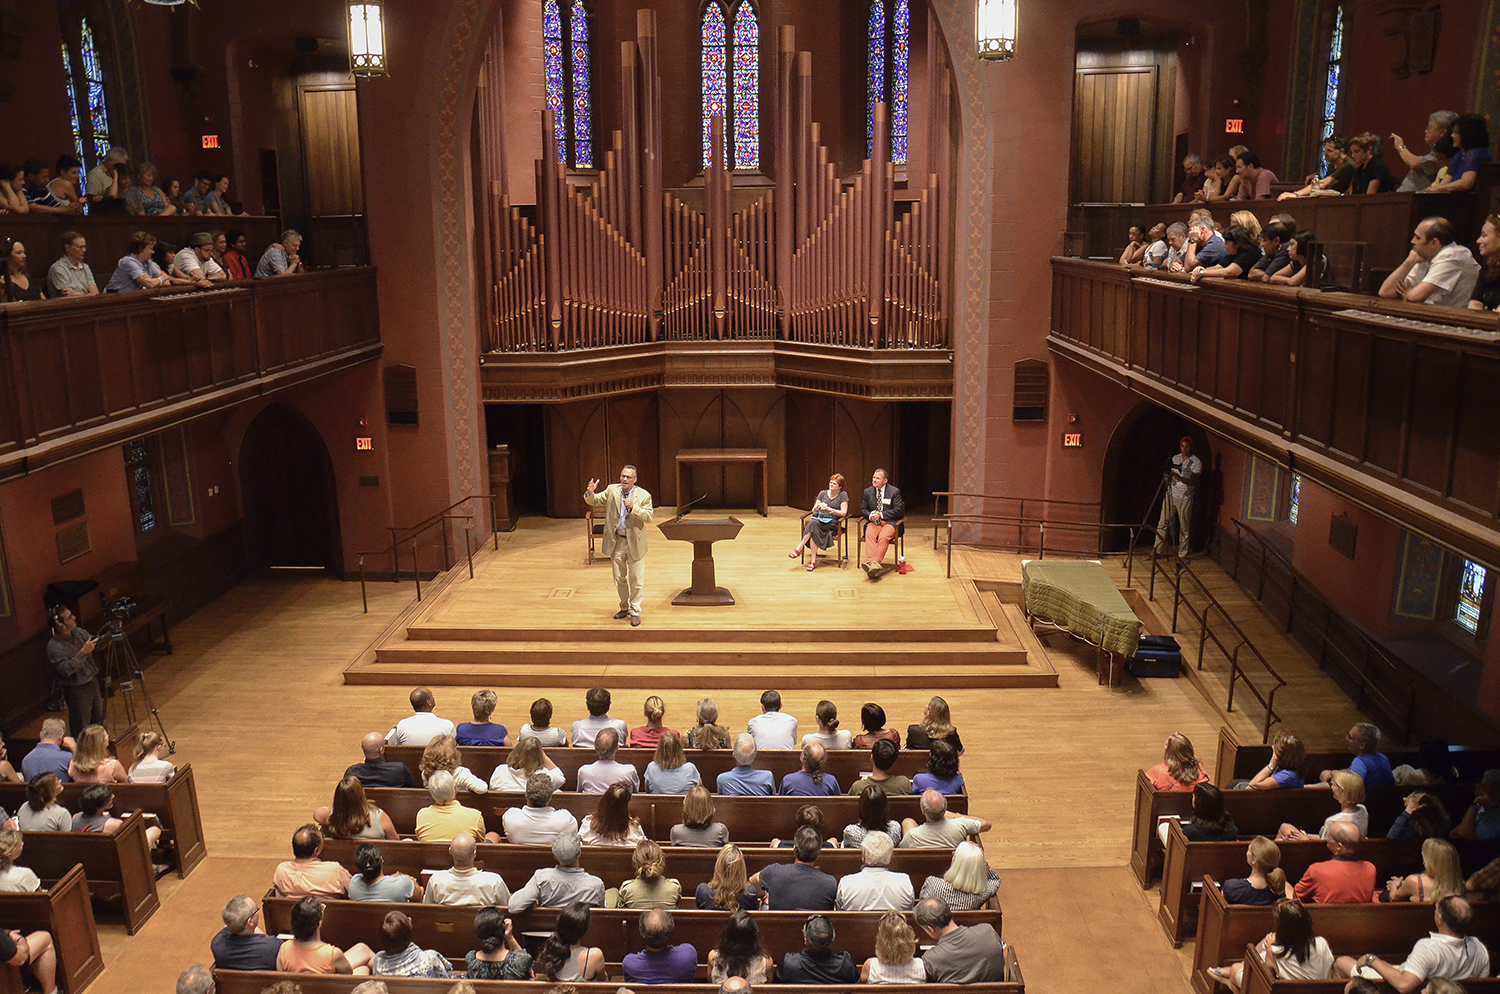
(367, 38)
(995, 29)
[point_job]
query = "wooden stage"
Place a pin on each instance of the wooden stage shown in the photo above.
(534, 612)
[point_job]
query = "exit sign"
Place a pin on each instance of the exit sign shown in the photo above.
(1072, 439)
(210, 141)
(364, 445)
(1234, 126)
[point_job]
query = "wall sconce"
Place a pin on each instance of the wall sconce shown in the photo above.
(995, 29)
(367, 38)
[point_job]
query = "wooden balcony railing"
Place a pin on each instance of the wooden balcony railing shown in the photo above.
(84, 372)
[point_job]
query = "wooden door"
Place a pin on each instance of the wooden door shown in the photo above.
(1114, 131)
(329, 115)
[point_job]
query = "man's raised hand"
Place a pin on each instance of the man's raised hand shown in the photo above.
(593, 484)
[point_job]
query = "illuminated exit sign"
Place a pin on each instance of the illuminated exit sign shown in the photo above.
(1234, 126)
(210, 141)
(364, 445)
(1072, 439)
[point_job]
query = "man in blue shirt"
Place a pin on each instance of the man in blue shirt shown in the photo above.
(50, 755)
(1369, 762)
(1482, 820)
(743, 779)
(811, 781)
(660, 962)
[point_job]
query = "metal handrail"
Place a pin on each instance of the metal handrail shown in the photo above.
(939, 517)
(413, 532)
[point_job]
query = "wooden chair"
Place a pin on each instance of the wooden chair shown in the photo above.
(842, 539)
(593, 527)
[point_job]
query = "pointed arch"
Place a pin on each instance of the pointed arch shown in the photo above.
(889, 76)
(730, 47)
(566, 68)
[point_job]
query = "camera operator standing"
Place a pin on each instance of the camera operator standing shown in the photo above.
(71, 653)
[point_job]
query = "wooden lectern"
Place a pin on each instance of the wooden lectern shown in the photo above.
(703, 533)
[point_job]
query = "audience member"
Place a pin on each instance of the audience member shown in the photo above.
(527, 757)
(1135, 246)
(1255, 180)
(421, 726)
(1266, 883)
(960, 955)
(651, 887)
(1205, 246)
(236, 262)
(561, 885)
(306, 952)
(563, 957)
(876, 887)
(13, 190)
(145, 197)
(596, 777)
(1423, 168)
(884, 757)
(773, 728)
(352, 816)
(895, 960)
(739, 952)
(70, 276)
(1292, 951)
(499, 956)
(1437, 271)
(18, 286)
(1179, 769)
(669, 772)
(92, 762)
(242, 944)
(730, 886)
(8, 772)
(586, 730)
(103, 186)
(1157, 248)
(538, 823)
(1210, 822)
(698, 827)
(1177, 241)
(197, 196)
(196, 262)
(465, 885)
(1344, 879)
(38, 192)
(444, 818)
(1423, 816)
(1299, 253)
(744, 779)
(1349, 790)
(660, 962)
(1217, 187)
(1486, 295)
(811, 780)
(828, 735)
(52, 753)
(151, 764)
(376, 770)
(942, 770)
(708, 734)
(481, 731)
(1471, 137)
(401, 957)
(136, 270)
(940, 829)
(372, 883)
(280, 257)
(196, 979)
(15, 879)
(937, 723)
(1451, 953)
(305, 873)
(1336, 179)
(649, 734)
(171, 188)
(1371, 174)
(217, 201)
(1288, 756)
(817, 962)
(1241, 254)
(1363, 740)
(41, 812)
(34, 950)
(611, 824)
(970, 882)
(1440, 876)
(798, 886)
(1482, 819)
(441, 754)
(1273, 251)
(1193, 173)
(874, 817)
(872, 720)
(808, 816)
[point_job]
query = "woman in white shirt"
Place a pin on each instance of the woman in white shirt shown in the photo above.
(541, 727)
(442, 754)
(1292, 951)
(1348, 789)
(828, 734)
(611, 824)
(151, 764)
(526, 758)
(895, 960)
(14, 879)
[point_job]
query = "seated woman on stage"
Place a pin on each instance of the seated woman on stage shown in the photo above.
(651, 887)
(92, 763)
(942, 771)
(1266, 883)
(646, 736)
(698, 827)
(669, 772)
(1179, 768)
(611, 824)
(822, 529)
(730, 886)
(353, 817)
(526, 758)
(1292, 951)
(442, 754)
(872, 720)
(708, 733)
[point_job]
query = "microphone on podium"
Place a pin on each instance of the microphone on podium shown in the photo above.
(689, 506)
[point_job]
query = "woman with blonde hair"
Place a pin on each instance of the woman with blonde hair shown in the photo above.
(1179, 768)
(698, 827)
(1440, 876)
(611, 824)
(730, 886)
(1266, 883)
(526, 757)
(442, 754)
(936, 724)
(895, 960)
(646, 736)
(1348, 789)
(353, 817)
(669, 772)
(708, 733)
(15, 879)
(970, 882)
(1284, 771)
(92, 762)
(151, 764)
(651, 888)
(1249, 222)
(829, 735)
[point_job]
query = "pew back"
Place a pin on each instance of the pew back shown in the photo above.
(1238, 760)
(1259, 979)
(116, 865)
(64, 909)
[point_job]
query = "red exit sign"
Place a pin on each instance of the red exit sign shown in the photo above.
(210, 141)
(364, 445)
(1234, 126)
(1072, 439)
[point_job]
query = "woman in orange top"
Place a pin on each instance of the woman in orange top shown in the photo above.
(306, 952)
(1179, 768)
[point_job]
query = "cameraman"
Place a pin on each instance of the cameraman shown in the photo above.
(71, 653)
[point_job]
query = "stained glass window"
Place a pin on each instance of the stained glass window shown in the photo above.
(900, 66)
(889, 76)
(876, 78)
(94, 77)
(746, 88)
(565, 65)
(1331, 93)
(731, 82)
(1470, 595)
(552, 66)
(579, 31)
(1291, 513)
(715, 77)
(72, 101)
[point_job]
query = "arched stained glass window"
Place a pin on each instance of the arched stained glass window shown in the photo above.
(565, 64)
(889, 71)
(67, 58)
(94, 81)
(731, 82)
(87, 112)
(715, 76)
(1331, 93)
(746, 88)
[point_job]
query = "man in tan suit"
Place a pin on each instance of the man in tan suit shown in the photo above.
(627, 512)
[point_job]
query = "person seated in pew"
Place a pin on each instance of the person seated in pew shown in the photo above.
(53, 753)
(1372, 765)
(799, 885)
(708, 733)
(586, 730)
(874, 817)
(15, 879)
(876, 887)
(1482, 820)
(961, 954)
(895, 960)
(305, 873)
(1135, 246)
(242, 944)
(1423, 817)
(444, 818)
(421, 726)
(376, 770)
(94, 815)
(34, 950)
(538, 823)
(1210, 822)
(1242, 252)
(499, 956)
(526, 758)
(649, 734)
(1486, 295)
(936, 724)
(372, 883)
(41, 812)
(970, 882)
(92, 762)
(196, 979)
(739, 952)
(1299, 257)
(669, 771)
(611, 824)
(661, 962)
(306, 952)
(817, 962)
(151, 764)
(730, 886)
(1423, 167)
(442, 754)
(651, 887)
(1437, 271)
(564, 958)
(1291, 950)
(883, 757)
(1344, 879)
(773, 728)
(1155, 255)
(940, 829)
(698, 827)
(872, 720)
(1450, 952)
(744, 779)
(465, 885)
(596, 777)
(1266, 883)
(561, 885)
(8, 772)
(1179, 768)
(1349, 792)
(481, 731)
(353, 817)
(1273, 255)
(808, 816)
(811, 781)
(401, 957)
(1288, 756)
(942, 771)
(829, 735)
(1471, 137)
(1439, 878)
(541, 728)
(1371, 174)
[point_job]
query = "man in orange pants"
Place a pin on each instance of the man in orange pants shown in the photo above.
(883, 509)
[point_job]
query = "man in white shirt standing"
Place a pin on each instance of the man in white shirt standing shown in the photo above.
(1177, 507)
(465, 885)
(1437, 271)
(422, 727)
(773, 729)
(538, 823)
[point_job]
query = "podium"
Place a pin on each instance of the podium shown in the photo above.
(703, 533)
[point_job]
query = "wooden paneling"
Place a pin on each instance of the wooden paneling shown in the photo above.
(1114, 125)
(330, 150)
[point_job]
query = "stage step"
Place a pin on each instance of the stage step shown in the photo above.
(609, 630)
(649, 651)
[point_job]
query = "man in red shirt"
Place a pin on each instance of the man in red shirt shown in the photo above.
(1344, 879)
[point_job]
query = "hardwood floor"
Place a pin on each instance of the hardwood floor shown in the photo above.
(256, 701)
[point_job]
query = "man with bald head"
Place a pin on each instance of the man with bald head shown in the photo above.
(466, 885)
(561, 885)
(662, 961)
(940, 828)
(597, 777)
(305, 873)
(1344, 879)
(376, 770)
(421, 726)
(736, 985)
(811, 781)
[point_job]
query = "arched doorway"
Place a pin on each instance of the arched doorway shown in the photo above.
(1136, 460)
(289, 492)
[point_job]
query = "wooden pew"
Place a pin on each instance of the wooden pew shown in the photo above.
(751, 819)
(64, 909)
(691, 866)
(175, 804)
(846, 765)
(1262, 812)
(1260, 980)
(116, 865)
(1238, 760)
(122, 748)
(1389, 930)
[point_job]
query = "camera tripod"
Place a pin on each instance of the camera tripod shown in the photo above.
(121, 675)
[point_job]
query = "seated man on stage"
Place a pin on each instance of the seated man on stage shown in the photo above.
(882, 509)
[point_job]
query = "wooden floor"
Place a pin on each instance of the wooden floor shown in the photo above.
(256, 700)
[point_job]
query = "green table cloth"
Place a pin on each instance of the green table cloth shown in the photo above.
(1080, 597)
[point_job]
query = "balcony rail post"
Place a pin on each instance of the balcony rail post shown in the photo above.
(447, 550)
(469, 552)
(363, 596)
(416, 571)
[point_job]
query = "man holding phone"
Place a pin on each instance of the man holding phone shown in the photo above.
(71, 653)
